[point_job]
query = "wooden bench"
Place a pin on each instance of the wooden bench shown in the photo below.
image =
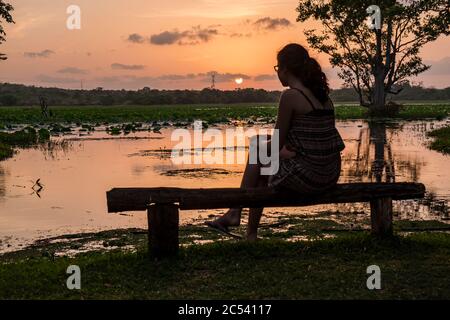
(163, 204)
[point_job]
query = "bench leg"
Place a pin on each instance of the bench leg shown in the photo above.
(163, 222)
(381, 216)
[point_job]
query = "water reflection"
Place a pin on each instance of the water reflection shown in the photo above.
(395, 151)
(371, 158)
(55, 148)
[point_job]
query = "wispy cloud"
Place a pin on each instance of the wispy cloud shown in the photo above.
(198, 35)
(72, 70)
(136, 38)
(41, 54)
(240, 35)
(120, 66)
(265, 77)
(439, 67)
(202, 77)
(194, 36)
(55, 80)
(175, 77)
(272, 24)
(223, 77)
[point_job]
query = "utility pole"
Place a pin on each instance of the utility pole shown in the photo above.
(213, 80)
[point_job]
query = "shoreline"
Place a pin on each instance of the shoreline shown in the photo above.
(210, 114)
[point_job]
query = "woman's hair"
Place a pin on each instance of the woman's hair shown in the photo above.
(296, 59)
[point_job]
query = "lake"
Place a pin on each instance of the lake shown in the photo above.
(75, 171)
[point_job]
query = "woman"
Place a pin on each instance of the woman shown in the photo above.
(310, 145)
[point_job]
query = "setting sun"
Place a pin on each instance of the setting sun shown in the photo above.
(238, 80)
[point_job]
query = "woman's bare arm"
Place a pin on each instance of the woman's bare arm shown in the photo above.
(284, 116)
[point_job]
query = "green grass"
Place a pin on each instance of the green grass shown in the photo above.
(424, 111)
(120, 114)
(214, 113)
(442, 139)
(412, 267)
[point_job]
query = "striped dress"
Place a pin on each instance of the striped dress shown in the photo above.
(318, 145)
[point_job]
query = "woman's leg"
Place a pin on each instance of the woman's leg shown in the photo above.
(250, 179)
(255, 214)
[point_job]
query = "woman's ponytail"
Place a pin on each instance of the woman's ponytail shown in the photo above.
(297, 60)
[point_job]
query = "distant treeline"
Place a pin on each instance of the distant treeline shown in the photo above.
(21, 95)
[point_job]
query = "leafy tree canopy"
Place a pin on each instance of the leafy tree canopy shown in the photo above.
(5, 9)
(378, 62)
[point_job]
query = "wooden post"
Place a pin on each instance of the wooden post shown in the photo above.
(381, 216)
(163, 222)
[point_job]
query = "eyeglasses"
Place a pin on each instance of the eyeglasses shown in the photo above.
(276, 68)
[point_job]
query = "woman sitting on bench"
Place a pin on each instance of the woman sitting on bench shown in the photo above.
(310, 145)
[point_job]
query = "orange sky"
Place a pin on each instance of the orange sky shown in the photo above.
(232, 37)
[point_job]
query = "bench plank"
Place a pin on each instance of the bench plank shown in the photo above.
(138, 199)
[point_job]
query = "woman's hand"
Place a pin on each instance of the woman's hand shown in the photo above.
(285, 153)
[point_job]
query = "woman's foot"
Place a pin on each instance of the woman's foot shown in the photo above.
(231, 218)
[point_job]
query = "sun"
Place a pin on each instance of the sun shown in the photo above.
(238, 80)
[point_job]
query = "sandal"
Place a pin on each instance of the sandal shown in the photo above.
(222, 229)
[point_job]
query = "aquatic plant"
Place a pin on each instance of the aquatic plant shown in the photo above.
(26, 137)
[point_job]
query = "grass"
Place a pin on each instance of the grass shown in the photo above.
(120, 114)
(214, 113)
(414, 266)
(442, 139)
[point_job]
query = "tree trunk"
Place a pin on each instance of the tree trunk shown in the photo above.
(378, 95)
(378, 137)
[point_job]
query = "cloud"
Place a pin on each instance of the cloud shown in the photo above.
(272, 24)
(120, 66)
(166, 37)
(265, 77)
(439, 67)
(42, 54)
(51, 79)
(127, 81)
(240, 35)
(72, 70)
(197, 34)
(223, 77)
(163, 80)
(194, 36)
(205, 77)
(136, 38)
(175, 77)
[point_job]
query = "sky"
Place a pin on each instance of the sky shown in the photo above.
(171, 44)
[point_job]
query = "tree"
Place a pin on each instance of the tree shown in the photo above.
(5, 9)
(375, 62)
(8, 100)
